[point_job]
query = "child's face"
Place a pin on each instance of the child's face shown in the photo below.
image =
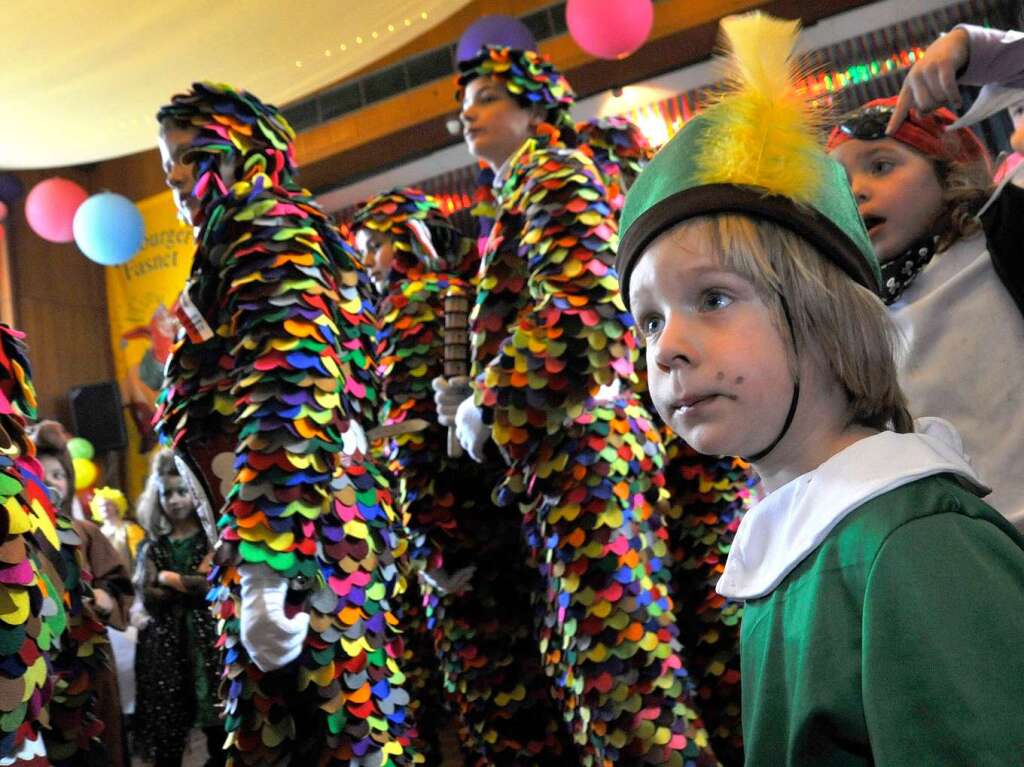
(717, 365)
(898, 193)
(110, 511)
(493, 123)
(54, 475)
(378, 251)
(176, 499)
(179, 169)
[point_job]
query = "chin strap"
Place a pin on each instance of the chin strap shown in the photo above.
(793, 401)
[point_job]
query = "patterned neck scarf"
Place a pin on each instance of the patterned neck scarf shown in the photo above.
(900, 272)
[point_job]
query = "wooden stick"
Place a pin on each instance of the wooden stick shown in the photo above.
(456, 347)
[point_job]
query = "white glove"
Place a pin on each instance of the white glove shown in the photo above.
(471, 430)
(31, 751)
(137, 615)
(443, 583)
(271, 639)
(449, 393)
(353, 441)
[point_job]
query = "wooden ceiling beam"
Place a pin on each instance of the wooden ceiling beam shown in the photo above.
(413, 124)
(357, 152)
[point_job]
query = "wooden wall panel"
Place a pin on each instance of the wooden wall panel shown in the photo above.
(60, 301)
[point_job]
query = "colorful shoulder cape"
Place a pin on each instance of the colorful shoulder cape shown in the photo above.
(32, 615)
(549, 328)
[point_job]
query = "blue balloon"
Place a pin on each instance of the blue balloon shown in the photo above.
(494, 30)
(109, 229)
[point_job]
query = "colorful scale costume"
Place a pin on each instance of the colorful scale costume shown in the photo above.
(480, 642)
(584, 465)
(73, 737)
(707, 496)
(619, 150)
(278, 380)
(32, 615)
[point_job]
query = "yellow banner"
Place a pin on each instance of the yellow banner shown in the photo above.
(141, 294)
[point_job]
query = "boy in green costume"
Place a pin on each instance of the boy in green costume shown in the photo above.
(884, 599)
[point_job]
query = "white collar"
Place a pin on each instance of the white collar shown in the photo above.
(778, 533)
(501, 174)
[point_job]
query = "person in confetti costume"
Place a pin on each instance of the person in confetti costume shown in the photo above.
(33, 619)
(265, 389)
(707, 497)
(551, 343)
(480, 640)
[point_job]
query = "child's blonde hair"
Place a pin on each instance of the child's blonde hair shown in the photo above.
(112, 494)
(149, 508)
(842, 324)
(966, 185)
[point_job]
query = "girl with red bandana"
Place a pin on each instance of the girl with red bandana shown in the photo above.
(949, 248)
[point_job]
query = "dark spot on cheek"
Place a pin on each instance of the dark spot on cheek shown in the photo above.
(720, 376)
(739, 380)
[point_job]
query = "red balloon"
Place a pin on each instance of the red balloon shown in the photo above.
(50, 208)
(609, 29)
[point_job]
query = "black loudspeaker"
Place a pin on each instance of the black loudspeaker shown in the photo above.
(98, 415)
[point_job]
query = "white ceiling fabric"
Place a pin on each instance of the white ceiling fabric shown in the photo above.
(81, 80)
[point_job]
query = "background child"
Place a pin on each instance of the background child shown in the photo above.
(111, 512)
(869, 568)
(87, 705)
(954, 282)
(176, 664)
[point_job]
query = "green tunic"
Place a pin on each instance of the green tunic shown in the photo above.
(896, 642)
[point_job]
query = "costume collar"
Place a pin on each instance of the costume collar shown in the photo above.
(504, 171)
(781, 531)
(898, 273)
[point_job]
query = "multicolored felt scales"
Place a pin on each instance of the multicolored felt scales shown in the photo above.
(33, 620)
(288, 374)
(476, 586)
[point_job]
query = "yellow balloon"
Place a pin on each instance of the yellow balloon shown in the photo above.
(86, 473)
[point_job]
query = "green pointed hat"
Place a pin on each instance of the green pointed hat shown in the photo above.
(755, 151)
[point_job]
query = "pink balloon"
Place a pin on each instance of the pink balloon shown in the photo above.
(50, 208)
(609, 29)
(3, 210)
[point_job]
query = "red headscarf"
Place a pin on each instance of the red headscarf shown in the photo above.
(927, 133)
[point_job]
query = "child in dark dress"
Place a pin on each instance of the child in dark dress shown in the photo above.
(176, 664)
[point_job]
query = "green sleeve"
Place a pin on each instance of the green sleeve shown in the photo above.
(943, 624)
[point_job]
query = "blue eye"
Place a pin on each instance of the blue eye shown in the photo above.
(712, 300)
(650, 325)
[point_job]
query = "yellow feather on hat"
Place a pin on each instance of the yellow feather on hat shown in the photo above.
(762, 129)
